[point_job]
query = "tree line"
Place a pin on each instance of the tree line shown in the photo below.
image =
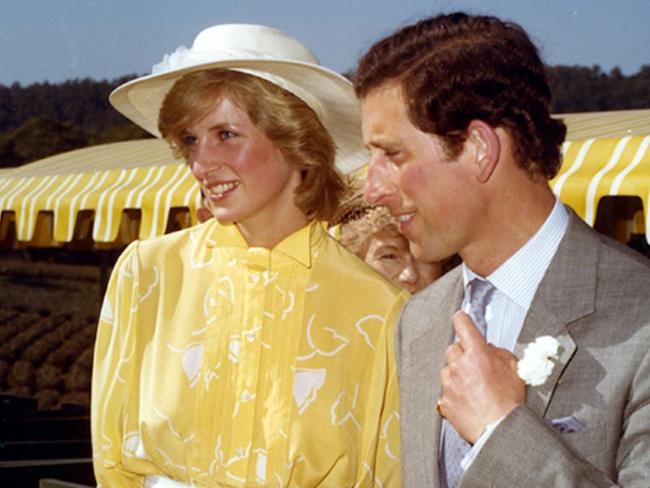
(43, 119)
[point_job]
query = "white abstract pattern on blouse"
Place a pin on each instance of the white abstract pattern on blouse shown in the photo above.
(222, 365)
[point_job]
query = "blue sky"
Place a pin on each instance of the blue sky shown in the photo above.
(57, 40)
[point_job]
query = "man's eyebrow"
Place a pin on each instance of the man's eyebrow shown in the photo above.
(385, 145)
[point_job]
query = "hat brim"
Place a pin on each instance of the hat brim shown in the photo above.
(140, 100)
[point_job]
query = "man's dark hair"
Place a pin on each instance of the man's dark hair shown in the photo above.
(455, 68)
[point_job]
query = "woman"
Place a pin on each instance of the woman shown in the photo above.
(374, 237)
(253, 349)
(371, 234)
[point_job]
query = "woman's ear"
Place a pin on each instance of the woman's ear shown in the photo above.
(486, 146)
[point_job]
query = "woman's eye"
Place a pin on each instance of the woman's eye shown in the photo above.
(188, 140)
(388, 255)
(226, 134)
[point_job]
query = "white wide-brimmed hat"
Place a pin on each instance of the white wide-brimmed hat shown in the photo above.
(263, 52)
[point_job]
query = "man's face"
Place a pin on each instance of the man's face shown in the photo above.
(431, 196)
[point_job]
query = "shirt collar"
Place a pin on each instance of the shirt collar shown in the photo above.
(297, 245)
(519, 276)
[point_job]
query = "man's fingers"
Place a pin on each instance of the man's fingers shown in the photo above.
(453, 352)
(467, 333)
(444, 376)
(506, 356)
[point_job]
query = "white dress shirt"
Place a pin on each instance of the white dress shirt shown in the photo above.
(516, 282)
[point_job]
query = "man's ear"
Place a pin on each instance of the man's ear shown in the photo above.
(486, 146)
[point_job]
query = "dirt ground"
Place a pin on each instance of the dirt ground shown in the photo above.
(59, 288)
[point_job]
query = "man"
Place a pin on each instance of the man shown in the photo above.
(456, 115)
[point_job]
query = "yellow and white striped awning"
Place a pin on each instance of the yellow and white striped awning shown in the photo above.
(612, 158)
(131, 189)
(595, 168)
(49, 196)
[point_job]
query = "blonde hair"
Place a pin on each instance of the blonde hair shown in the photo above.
(284, 118)
(357, 230)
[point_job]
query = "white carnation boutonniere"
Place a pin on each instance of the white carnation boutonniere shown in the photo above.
(536, 365)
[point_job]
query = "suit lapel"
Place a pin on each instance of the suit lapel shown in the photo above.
(427, 351)
(565, 294)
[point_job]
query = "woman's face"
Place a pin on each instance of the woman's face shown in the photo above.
(242, 173)
(389, 254)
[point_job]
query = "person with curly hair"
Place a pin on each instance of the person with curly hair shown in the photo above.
(455, 111)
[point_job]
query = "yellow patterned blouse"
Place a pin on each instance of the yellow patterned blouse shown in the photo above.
(217, 364)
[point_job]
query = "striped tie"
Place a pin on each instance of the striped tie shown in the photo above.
(454, 447)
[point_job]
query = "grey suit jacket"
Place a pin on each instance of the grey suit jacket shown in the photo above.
(595, 299)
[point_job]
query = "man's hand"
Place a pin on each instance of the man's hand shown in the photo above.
(480, 383)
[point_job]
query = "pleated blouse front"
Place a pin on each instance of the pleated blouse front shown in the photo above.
(219, 364)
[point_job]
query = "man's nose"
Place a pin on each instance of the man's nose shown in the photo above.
(380, 183)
